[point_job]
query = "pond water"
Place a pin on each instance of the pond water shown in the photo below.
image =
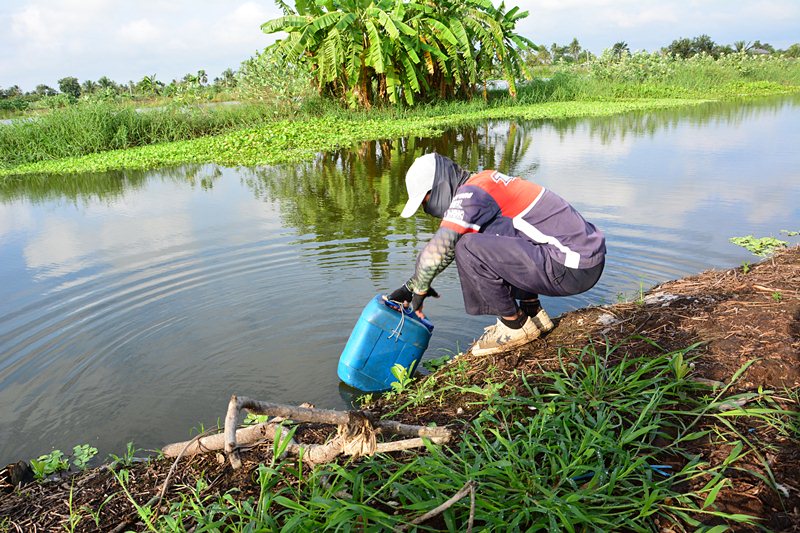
(132, 305)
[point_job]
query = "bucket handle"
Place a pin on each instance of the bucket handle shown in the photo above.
(405, 311)
(398, 329)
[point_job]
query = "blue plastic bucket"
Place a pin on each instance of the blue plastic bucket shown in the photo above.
(384, 336)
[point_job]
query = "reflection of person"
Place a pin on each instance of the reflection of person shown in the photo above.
(512, 240)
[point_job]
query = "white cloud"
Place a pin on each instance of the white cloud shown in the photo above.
(243, 25)
(136, 222)
(655, 15)
(29, 25)
(140, 31)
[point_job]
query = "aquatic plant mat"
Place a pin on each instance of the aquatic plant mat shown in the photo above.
(677, 411)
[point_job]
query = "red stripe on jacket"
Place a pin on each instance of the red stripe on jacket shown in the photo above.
(512, 194)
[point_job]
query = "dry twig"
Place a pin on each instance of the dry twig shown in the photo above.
(468, 488)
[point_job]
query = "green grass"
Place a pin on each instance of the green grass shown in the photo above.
(295, 140)
(656, 76)
(99, 126)
(605, 443)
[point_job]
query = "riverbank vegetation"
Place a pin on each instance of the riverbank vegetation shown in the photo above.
(293, 123)
(289, 99)
(632, 416)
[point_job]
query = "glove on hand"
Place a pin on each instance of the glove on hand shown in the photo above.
(404, 295)
(418, 299)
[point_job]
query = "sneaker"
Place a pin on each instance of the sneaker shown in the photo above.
(500, 338)
(542, 321)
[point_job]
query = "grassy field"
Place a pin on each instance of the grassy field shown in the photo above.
(98, 136)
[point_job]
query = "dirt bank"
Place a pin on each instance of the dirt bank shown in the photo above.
(734, 318)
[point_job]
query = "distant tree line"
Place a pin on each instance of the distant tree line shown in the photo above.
(684, 48)
(195, 86)
(70, 89)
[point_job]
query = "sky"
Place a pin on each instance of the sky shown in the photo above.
(45, 40)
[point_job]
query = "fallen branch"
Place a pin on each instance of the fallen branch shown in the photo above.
(168, 479)
(468, 488)
(247, 435)
(356, 431)
(765, 289)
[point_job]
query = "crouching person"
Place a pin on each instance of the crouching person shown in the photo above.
(512, 240)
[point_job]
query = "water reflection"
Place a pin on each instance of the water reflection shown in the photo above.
(132, 304)
(608, 130)
(106, 186)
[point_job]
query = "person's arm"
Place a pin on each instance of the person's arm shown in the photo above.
(433, 259)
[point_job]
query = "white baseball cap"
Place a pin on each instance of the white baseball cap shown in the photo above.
(419, 180)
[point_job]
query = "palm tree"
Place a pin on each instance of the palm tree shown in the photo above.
(89, 87)
(106, 83)
(620, 49)
(575, 49)
(227, 78)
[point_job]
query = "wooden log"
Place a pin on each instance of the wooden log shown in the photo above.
(321, 453)
(247, 435)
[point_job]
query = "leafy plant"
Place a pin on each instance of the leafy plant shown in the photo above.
(640, 297)
(393, 51)
(145, 512)
(404, 377)
(679, 366)
(75, 515)
(433, 365)
(82, 454)
(95, 512)
(252, 419)
(745, 267)
(126, 459)
(49, 464)
(777, 296)
(790, 233)
(762, 247)
(365, 399)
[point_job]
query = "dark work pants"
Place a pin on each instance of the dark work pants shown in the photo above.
(496, 270)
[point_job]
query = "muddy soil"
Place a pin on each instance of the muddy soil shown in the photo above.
(734, 317)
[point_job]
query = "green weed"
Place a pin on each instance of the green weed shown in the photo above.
(82, 454)
(762, 247)
(49, 464)
(433, 365)
(126, 459)
(403, 378)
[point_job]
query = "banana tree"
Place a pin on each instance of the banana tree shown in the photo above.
(364, 51)
(500, 47)
(349, 44)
